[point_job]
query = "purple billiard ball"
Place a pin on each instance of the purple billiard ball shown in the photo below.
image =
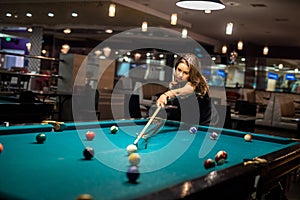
(193, 130)
(213, 135)
(88, 153)
(133, 174)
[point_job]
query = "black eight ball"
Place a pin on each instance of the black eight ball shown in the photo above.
(88, 153)
(40, 138)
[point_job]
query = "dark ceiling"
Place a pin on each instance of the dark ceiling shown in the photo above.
(256, 22)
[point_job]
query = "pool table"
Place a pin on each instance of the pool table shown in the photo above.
(171, 166)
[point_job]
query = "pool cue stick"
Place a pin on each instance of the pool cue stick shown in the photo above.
(147, 125)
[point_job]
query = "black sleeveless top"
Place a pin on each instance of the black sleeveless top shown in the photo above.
(192, 109)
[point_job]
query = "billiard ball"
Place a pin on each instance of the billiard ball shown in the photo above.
(1, 148)
(90, 135)
(221, 157)
(84, 197)
(40, 138)
(88, 153)
(131, 149)
(134, 159)
(213, 135)
(133, 174)
(209, 163)
(193, 130)
(248, 137)
(114, 129)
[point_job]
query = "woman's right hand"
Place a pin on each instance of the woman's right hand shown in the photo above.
(162, 100)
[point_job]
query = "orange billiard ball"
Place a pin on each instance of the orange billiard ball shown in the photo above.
(1, 148)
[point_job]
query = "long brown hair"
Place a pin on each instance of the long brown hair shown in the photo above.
(196, 78)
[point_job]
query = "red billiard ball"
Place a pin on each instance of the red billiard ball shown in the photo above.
(1, 148)
(88, 153)
(90, 135)
(248, 137)
(209, 163)
(133, 174)
(221, 157)
(40, 138)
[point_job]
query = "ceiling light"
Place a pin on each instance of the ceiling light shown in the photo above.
(65, 48)
(184, 33)
(229, 28)
(8, 15)
(265, 50)
(50, 14)
(137, 56)
(107, 51)
(98, 52)
(201, 4)
(112, 10)
(67, 31)
(224, 49)
(29, 30)
(144, 26)
(174, 19)
(74, 14)
(28, 14)
(108, 31)
(28, 46)
(280, 66)
(207, 11)
(240, 45)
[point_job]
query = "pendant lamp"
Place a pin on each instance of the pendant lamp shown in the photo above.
(201, 4)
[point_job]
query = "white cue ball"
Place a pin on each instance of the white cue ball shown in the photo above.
(248, 137)
(131, 149)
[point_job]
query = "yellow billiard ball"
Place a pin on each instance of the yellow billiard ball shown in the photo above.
(134, 159)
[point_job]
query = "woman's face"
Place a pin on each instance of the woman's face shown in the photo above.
(182, 72)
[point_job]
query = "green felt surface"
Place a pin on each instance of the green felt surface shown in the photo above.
(57, 170)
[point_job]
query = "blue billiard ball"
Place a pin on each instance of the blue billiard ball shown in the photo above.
(133, 174)
(40, 138)
(193, 130)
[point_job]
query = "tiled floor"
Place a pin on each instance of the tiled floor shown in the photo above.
(293, 192)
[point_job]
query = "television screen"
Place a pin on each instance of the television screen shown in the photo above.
(290, 77)
(272, 76)
(122, 69)
(221, 73)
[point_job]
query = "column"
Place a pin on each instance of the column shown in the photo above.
(36, 39)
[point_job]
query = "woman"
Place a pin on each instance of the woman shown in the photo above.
(189, 92)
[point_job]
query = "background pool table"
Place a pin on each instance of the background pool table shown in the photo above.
(171, 166)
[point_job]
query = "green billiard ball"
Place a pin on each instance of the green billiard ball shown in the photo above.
(114, 129)
(40, 138)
